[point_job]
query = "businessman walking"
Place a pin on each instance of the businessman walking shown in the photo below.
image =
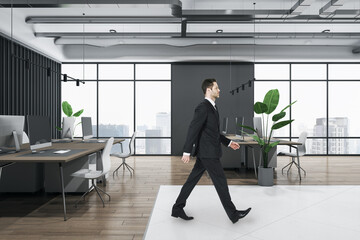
(205, 134)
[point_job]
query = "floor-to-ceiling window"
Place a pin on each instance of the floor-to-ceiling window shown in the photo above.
(325, 93)
(122, 98)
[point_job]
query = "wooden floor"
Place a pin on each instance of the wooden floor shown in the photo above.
(40, 216)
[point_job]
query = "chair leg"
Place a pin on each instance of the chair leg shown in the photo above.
(116, 170)
(97, 191)
(290, 163)
(128, 169)
(83, 196)
(253, 153)
(104, 193)
(124, 164)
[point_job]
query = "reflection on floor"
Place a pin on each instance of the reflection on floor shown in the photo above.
(278, 212)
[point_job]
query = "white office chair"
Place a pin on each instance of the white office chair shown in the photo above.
(126, 155)
(300, 151)
(93, 174)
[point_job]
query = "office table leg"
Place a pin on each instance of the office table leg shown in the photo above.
(62, 189)
(5, 165)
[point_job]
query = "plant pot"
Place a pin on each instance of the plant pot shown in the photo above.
(68, 127)
(265, 176)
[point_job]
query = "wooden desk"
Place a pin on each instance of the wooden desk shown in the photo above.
(88, 148)
(250, 142)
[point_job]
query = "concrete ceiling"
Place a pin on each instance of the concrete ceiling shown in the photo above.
(174, 30)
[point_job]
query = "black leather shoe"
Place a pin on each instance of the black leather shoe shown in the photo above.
(240, 214)
(181, 214)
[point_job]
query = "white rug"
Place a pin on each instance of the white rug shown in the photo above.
(278, 212)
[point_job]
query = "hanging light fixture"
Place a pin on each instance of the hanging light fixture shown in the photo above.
(249, 82)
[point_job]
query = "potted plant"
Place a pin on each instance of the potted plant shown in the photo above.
(69, 120)
(266, 143)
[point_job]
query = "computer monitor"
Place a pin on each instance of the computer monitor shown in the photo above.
(11, 131)
(39, 132)
(224, 125)
(258, 125)
(86, 127)
(238, 128)
(68, 127)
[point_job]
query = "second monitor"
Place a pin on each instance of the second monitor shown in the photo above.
(39, 132)
(86, 127)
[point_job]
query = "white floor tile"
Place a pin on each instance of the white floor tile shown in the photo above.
(277, 213)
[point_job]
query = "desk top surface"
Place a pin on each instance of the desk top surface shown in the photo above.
(85, 147)
(250, 141)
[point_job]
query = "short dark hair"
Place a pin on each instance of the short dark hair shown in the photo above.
(207, 83)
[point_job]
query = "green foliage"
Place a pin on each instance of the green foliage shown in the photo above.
(78, 113)
(260, 107)
(268, 106)
(68, 111)
(271, 100)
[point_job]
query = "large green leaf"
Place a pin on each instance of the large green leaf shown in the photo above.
(288, 106)
(281, 124)
(247, 127)
(67, 109)
(260, 107)
(259, 140)
(58, 128)
(271, 100)
(78, 113)
(278, 116)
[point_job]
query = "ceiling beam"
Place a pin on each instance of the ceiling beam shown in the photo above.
(331, 6)
(300, 6)
(174, 5)
(200, 35)
(100, 20)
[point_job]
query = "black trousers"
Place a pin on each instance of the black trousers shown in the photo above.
(216, 172)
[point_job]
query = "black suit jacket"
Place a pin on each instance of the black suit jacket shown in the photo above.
(204, 132)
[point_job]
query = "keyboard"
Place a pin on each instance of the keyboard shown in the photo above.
(62, 151)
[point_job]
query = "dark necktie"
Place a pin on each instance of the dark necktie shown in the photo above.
(217, 111)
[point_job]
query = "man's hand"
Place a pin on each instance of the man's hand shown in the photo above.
(234, 145)
(185, 158)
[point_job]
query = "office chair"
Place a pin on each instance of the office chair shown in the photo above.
(300, 151)
(93, 174)
(126, 155)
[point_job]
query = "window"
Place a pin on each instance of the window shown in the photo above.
(124, 97)
(80, 71)
(310, 109)
(116, 71)
(308, 71)
(343, 117)
(116, 109)
(153, 71)
(272, 71)
(153, 102)
(325, 94)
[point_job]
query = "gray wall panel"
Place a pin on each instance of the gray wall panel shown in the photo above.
(27, 92)
(186, 94)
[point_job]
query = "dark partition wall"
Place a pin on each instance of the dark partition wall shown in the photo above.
(27, 88)
(186, 93)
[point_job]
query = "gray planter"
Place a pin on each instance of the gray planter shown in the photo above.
(266, 176)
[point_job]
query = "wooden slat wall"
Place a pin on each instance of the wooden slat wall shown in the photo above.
(29, 91)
